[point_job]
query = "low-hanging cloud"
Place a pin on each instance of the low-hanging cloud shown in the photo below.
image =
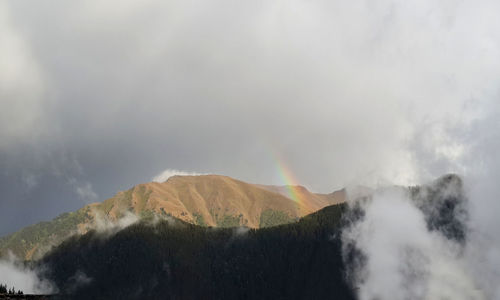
(104, 224)
(403, 255)
(165, 175)
(14, 274)
(438, 241)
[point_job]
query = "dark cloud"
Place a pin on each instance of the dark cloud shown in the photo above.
(99, 97)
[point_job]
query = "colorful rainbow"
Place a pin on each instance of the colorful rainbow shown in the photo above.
(290, 183)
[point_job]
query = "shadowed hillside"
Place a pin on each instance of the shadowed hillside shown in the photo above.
(178, 260)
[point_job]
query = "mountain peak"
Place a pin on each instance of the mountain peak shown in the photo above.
(207, 200)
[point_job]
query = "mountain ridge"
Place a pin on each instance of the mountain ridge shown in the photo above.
(207, 200)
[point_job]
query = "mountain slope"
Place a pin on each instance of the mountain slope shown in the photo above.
(212, 200)
(313, 200)
(178, 260)
(208, 200)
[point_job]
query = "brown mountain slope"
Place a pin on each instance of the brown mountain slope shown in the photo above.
(208, 200)
(314, 201)
(211, 199)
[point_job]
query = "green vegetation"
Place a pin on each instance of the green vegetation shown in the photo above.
(147, 215)
(199, 220)
(124, 201)
(271, 217)
(178, 260)
(224, 220)
(43, 234)
(228, 221)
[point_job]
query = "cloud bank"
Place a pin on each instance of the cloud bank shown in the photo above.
(343, 92)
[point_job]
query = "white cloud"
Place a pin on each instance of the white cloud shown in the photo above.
(104, 224)
(14, 274)
(165, 175)
(404, 260)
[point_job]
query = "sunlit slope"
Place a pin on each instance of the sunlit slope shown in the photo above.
(208, 200)
(313, 201)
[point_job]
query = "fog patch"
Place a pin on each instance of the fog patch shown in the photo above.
(15, 274)
(78, 280)
(171, 221)
(104, 224)
(409, 244)
(241, 231)
(109, 226)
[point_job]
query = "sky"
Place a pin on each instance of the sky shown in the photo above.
(96, 96)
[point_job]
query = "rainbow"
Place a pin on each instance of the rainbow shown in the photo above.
(290, 183)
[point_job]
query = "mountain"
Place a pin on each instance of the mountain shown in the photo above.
(170, 258)
(178, 260)
(207, 200)
(313, 200)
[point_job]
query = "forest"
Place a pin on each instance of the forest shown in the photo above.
(177, 260)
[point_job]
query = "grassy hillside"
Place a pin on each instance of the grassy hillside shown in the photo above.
(40, 237)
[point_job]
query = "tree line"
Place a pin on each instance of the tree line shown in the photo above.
(11, 291)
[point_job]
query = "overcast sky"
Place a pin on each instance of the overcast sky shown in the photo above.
(97, 96)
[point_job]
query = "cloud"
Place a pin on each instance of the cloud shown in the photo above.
(241, 231)
(343, 92)
(78, 280)
(30, 180)
(404, 258)
(14, 274)
(86, 192)
(104, 224)
(165, 175)
(21, 86)
(82, 189)
(483, 169)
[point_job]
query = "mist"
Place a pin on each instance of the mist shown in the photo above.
(406, 246)
(14, 273)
